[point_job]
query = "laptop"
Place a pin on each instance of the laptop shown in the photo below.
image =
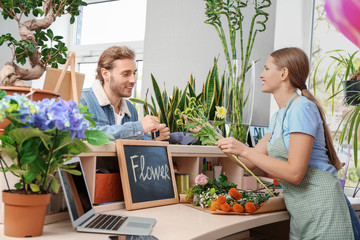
(82, 213)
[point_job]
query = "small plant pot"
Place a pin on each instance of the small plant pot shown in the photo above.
(352, 92)
(24, 214)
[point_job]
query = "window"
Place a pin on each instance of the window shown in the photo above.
(326, 38)
(103, 24)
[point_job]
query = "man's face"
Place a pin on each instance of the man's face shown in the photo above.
(121, 79)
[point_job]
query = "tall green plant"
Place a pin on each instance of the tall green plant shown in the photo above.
(234, 17)
(163, 106)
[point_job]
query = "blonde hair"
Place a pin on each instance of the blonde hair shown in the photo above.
(297, 63)
(108, 57)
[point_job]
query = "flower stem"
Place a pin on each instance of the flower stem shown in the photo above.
(244, 166)
(49, 159)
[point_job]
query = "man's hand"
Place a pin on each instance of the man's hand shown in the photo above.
(150, 123)
(164, 133)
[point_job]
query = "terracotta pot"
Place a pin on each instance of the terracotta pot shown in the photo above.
(39, 94)
(24, 214)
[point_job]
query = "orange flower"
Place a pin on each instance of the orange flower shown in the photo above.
(225, 207)
(221, 199)
(232, 192)
(215, 204)
(238, 196)
(250, 207)
(211, 208)
(262, 204)
(238, 208)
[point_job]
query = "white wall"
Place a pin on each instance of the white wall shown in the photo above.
(293, 28)
(178, 43)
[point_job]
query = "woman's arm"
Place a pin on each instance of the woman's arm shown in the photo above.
(293, 171)
(233, 146)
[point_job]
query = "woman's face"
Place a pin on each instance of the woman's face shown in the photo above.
(271, 76)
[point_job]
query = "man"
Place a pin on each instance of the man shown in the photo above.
(113, 114)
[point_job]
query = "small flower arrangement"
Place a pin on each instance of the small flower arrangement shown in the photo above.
(207, 134)
(206, 189)
(41, 137)
(222, 195)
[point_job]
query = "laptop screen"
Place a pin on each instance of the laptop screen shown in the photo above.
(76, 192)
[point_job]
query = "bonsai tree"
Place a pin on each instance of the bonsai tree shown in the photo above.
(38, 43)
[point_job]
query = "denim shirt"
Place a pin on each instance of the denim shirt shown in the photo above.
(103, 114)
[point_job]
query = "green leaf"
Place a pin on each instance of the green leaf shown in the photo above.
(73, 172)
(18, 185)
(22, 134)
(30, 175)
(159, 100)
(77, 147)
(96, 137)
(54, 185)
(34, 187)
(50, 33)
(28, 151)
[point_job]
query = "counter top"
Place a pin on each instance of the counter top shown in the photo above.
(174, 222)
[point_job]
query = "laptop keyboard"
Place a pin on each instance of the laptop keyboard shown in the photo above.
(108, 222)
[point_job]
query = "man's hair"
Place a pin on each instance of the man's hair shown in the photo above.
(108, 57)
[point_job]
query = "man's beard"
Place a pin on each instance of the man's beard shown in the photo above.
(116, 89)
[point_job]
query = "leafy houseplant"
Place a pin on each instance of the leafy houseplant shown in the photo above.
(38, 43)
(164, 106)
(341, 75)
(42, 136)
(238, 62)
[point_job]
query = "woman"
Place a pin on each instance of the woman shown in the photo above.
(298, 150)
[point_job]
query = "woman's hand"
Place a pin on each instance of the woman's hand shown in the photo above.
(193, 130)
(232, 146)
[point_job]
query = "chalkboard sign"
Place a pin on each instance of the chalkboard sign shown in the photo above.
(147, 173)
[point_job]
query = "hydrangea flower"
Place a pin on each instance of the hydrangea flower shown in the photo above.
(55, 130)
(63, 115)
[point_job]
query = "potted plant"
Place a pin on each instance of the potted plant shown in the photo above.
(163, 106)
(352, 89)
(37, 44)
(341, 76)
(41, 137)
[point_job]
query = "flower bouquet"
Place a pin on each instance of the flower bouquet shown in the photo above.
(41, 137)
(207, 134)
(222, 197)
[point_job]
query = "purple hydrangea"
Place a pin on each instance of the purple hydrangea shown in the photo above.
(61, 114)
(45, 114)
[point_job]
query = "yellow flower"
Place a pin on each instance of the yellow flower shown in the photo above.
(220, 112)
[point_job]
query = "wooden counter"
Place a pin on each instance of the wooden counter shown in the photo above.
(174, 222)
